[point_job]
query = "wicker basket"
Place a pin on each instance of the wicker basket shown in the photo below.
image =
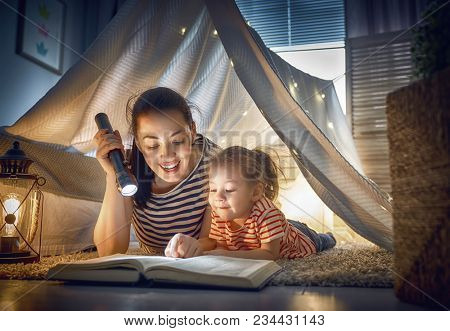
(418, 132)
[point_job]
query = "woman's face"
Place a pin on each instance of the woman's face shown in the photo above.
(165, 140)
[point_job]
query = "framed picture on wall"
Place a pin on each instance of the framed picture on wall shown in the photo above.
(40, 34)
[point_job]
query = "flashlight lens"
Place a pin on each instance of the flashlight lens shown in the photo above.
(129, 190)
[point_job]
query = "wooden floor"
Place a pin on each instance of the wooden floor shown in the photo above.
(41, 295)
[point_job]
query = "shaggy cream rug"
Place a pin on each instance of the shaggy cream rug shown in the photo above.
(345, 265)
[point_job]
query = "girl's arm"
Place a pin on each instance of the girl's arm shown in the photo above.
(268, 251)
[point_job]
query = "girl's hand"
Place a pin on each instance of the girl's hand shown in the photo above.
(106, 142)
(183, 246)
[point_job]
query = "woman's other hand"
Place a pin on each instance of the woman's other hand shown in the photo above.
(183, 246)
(106, 142)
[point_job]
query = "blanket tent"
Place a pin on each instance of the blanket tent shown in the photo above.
(206, 51)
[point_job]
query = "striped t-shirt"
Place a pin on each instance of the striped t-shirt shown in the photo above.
(265, 224)
(180, 210)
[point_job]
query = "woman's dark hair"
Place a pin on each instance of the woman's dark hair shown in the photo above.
(158, 99)
(255, 166)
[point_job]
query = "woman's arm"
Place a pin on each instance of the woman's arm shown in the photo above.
(112, 231)
(269, 251)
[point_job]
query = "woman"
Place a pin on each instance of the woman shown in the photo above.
(170, 162)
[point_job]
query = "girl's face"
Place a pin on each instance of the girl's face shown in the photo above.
(166, 141)
(231, 196)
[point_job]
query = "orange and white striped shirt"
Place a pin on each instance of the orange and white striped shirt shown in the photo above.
(265, 224)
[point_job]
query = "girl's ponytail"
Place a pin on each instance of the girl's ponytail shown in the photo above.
(269, 174)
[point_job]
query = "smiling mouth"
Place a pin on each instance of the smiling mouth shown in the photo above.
(170, 167)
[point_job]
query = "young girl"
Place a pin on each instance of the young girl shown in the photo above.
(245, 221)
(169, 160)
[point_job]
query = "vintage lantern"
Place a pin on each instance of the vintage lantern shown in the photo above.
(21, 209)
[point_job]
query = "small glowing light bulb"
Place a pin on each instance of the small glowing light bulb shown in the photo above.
(330, 125)
(295, 84)
(183, 31)
(323, 95)
(249, 23)
(215, 33)
(231, 62)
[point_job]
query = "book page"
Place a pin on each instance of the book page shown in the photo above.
(137, 262)
(219, 265)
(105, 262)
(149, 262)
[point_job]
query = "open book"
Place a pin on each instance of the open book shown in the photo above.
(205, 270)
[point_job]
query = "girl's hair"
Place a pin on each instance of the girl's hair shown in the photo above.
(158, 99)
(255, 166)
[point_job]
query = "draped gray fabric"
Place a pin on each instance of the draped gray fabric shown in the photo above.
(230, 75)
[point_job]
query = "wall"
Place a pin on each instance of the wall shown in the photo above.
(366, 18)
(24, 82)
